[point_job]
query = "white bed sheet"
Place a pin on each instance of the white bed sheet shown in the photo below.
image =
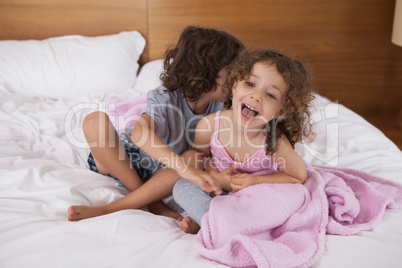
(43, 171)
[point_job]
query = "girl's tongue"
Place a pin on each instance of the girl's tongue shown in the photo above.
(247, 112)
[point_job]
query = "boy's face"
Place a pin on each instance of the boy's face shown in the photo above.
(218, 95)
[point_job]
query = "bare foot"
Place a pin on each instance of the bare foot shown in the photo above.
(189, 226)
(160, 208)
(76, 213)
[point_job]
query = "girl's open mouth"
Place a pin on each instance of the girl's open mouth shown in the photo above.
(248, 112)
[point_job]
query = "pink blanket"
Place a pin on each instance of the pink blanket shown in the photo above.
(125, 113)
(284, 225)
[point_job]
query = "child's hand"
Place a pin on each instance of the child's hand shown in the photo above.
(242, 180)
(223, 177)
(203, 179)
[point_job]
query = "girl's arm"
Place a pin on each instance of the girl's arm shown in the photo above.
(291, 164)
(293, 169)
(203, 136)
(144, 136)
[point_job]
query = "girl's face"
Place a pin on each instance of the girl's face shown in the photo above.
(217, 94)
(260, 97)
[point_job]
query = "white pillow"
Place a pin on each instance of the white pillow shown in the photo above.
(72, 65)
(148, 78)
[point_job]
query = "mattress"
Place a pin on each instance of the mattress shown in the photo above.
(43, 171)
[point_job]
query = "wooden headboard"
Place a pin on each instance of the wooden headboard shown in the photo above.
(346, 42)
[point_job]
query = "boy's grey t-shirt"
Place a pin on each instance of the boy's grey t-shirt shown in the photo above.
(175, 120)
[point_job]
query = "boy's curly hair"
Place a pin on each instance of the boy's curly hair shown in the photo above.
(295, 124)
(193, 65)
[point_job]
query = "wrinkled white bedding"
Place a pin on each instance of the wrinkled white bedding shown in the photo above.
(43, 171)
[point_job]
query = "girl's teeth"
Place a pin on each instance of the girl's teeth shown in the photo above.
(249, 112)
(251, 108)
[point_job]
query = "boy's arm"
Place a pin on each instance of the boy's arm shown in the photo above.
(223, 177)
(144, 136)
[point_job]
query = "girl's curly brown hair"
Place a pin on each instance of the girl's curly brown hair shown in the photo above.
(193, 65)
(295, 124)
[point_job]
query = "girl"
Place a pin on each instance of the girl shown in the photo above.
(194, 72)
(253, 142)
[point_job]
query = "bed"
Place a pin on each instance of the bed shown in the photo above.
(76, 55)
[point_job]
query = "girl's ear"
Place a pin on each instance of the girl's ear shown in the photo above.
(282, 111)
(280, 115)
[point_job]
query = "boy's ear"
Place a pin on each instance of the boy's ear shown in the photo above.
(234, 86)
